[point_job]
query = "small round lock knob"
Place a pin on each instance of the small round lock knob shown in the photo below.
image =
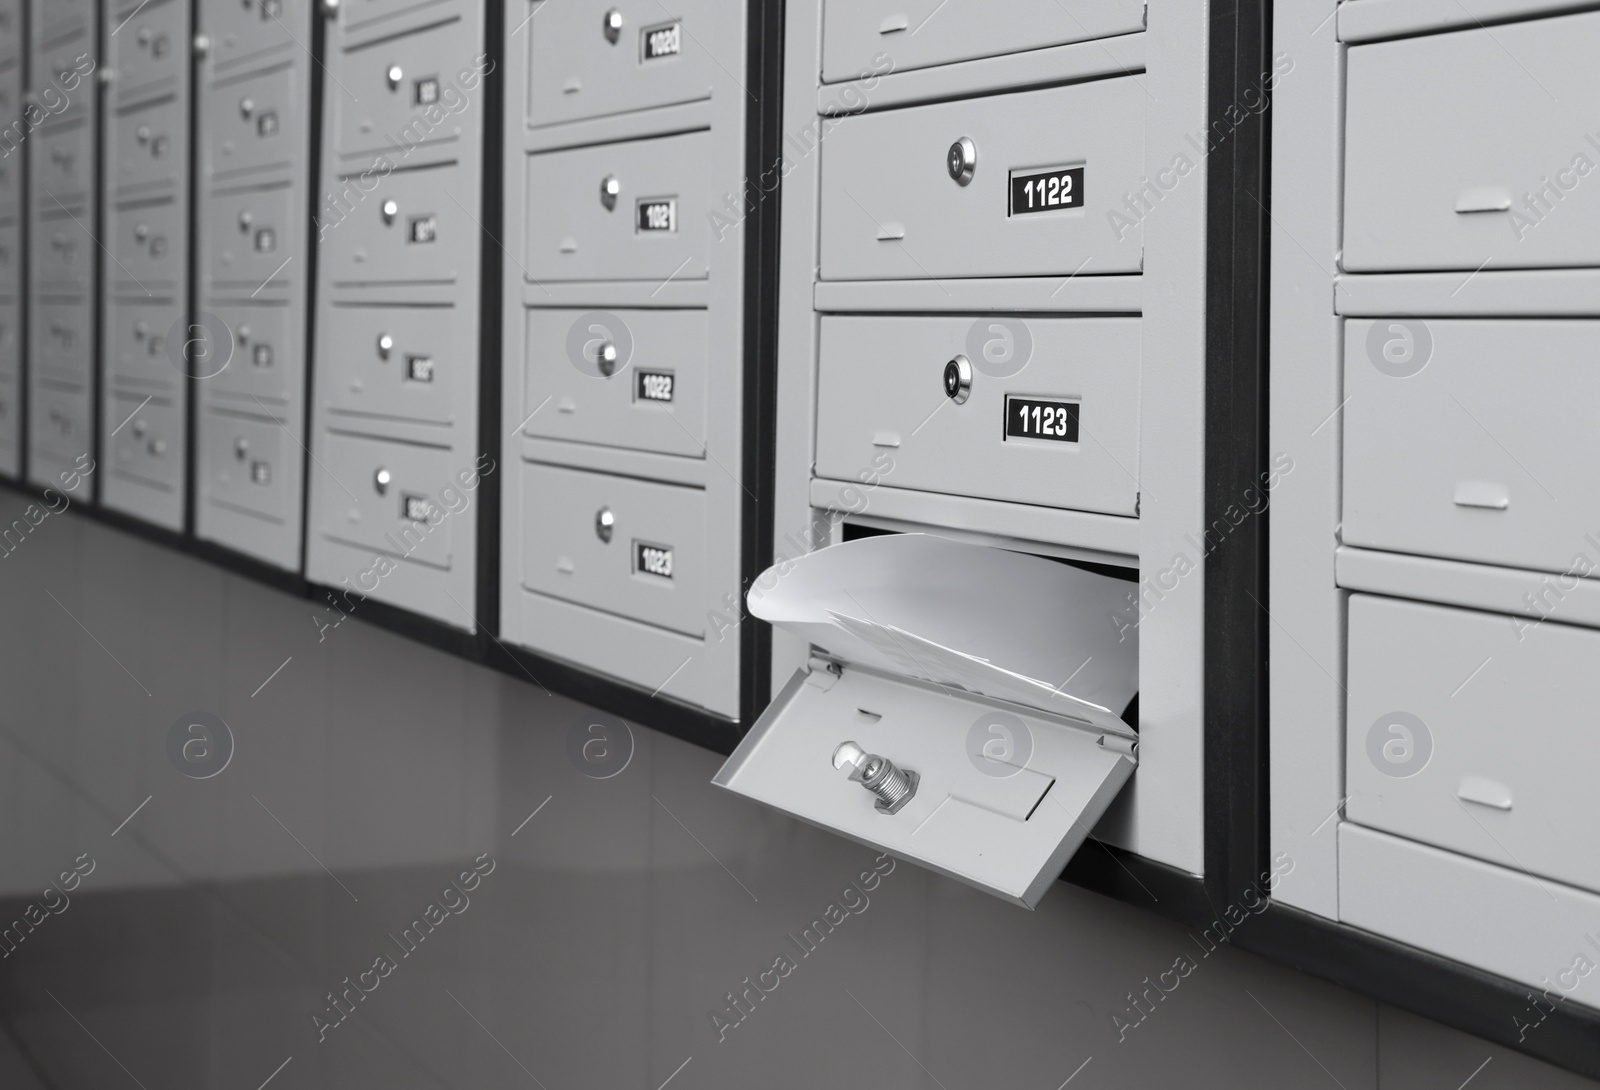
(894, 786)
(244, 334)
(245, 220)
(958, 379)
(961, 160)
(391, 209)
(380, 481)
(612, 26)
(142, 134)
(394, 76)
(138, 429)
(247, 106)
(610, 188)
(141, 232)
(604, 523)
(202, 46)
(605, 358)
(241, 448)
(144, 35)
(385, 345)
(330, 8)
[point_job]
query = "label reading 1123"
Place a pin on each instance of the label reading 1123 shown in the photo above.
(1032, 418)
(652, 559)
(1046, 191)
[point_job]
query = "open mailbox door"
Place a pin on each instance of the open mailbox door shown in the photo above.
(961, 709)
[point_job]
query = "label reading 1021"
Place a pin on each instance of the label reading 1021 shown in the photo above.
(662, 41)
(1046, 191)
(1032, 418)
(658, 214)
(654, 386)
(652, 559)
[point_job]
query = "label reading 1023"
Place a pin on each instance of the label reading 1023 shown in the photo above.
(652, 559)
(1046, 191)
(653, 386)
(658, 214)
(1033, 418)
(662, 41)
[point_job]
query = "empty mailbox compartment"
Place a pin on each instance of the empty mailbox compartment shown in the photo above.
(1037, 200)
(58, 426)
(139, 351)
(263, 361)
(1471, 439)
(146, 242)
(409, 96)
(1049, 409)
(857, 35)
(148, 145)
(1473, 731)
(149, 45)
(624, 546)
(147, 450)
(61, 340)
(242, 467)
(253, 123)
(935, 655)
(590, 59)
(408, 227)
(635, 210)
(61, 249)
(250, 29)
(647, 393)
(246, 235)
(1460, 146)
(397, 362)
(393, 497)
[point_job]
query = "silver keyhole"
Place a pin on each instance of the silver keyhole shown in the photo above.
(385, 345)
(612, 26)
(958, 379)
(395, 75)
(605, 358)
(962, 160)
(604, 522)
(391, 209)
(610, 188)
(380, 481)
(241, 447)
(247, 106)
(245, 220)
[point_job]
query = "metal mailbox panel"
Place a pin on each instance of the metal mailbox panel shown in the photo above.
(58, 422)
(656, 526)
(576, 233)
(366, 18)
(412, 228)
(655, 400)
(264, 361)
(148, 444)
(248, 235)
(60, 341)
(62, 250)
(242, 29)
(882, 407)
(254, 123)
(387, 480)
(140, 347)
(12, 124)
(63, 79)
(10, 28)
(10, 343)
(857, 35)
(1472, 439)
(147, 242)
(149, 146)
(408, 92)
(150, 49)
(1456, 154)
(10, 259)
(582, 66)
(243, 468)
(62, 162)
(10, 407)
(892, 210)
(1472, 731)
(397, 362)
(55, 19)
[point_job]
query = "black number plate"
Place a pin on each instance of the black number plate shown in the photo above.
(652, 559)
(654, 386)
(415, 508)
(662, 41)
(1032, 418)
(1046, 191)
(424, 228)
(658, 214)
(419, 368)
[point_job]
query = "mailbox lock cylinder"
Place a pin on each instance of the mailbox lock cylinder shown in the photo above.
(604, 523)
(961, 160)
(894, 786)
(612, 26)
(958, 379)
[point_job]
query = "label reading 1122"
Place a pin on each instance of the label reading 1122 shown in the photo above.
(1046, 191)
(652, 559)
(1032, 418)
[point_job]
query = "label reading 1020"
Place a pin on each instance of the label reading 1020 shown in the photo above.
(658, 214)
(1046, 191)
(662, 41)
(652, 559)
(654, 386)
(1033, 418)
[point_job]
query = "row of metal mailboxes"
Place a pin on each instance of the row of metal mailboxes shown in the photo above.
(1021, 201)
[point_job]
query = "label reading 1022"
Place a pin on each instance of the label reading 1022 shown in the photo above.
(658, 214)
(1033, 418)
(1046, 191)
(652, 559)
(662, 41)
(653, 386)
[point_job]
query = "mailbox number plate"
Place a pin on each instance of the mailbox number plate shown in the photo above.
(658, 214)
(1032, 418)
(652, 559)
(662, 41)
(415, 508)
(1046, 191)
(419, 368)
(653, 386)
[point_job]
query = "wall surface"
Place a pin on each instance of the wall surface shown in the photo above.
(209, 896)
